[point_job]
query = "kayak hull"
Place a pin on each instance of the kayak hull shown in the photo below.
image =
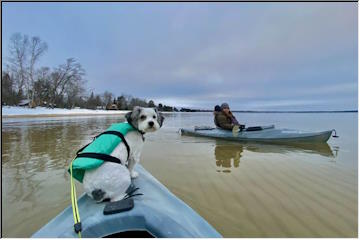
(271, 135)
(158, 211)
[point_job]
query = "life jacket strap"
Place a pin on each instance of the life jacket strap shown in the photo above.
(100, 156)
(119, 134)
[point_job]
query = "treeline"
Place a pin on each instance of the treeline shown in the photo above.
(123, 102)
(62, 86)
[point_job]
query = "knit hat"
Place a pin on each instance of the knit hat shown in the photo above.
(224, 105)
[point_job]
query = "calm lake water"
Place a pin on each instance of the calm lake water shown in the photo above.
(243, 190)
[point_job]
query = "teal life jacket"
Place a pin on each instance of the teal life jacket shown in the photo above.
(103, 145)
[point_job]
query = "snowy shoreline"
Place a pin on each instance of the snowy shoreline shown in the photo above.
(12, 111)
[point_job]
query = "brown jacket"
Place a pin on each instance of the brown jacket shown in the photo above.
(223, 121)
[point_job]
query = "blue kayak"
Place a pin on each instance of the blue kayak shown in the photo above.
(158, 212)
(260, 134)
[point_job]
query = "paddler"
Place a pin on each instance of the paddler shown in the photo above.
(226, 120)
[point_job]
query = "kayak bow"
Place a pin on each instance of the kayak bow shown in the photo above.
(158, 212)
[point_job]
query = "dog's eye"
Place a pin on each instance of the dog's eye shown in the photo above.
(142, 117)
(154, 117)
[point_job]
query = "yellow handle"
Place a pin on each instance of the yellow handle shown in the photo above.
(74, 199)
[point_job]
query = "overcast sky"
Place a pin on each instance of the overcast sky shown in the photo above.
(255, 56)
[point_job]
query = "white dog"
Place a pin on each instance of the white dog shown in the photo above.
(111, 180)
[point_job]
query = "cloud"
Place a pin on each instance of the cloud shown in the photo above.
(273, 55)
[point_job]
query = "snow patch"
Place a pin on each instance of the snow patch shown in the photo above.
(18, 111)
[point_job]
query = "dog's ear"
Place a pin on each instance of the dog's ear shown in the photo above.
(133, 116)
(128, 117)
(160, 117)
(136, 111)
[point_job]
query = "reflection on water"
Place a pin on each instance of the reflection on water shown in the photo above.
(242, 189)
(322, 149)
(35, 157)
(227, 156)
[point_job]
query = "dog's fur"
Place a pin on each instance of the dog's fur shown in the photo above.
(111, 180)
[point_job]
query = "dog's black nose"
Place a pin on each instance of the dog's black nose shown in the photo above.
(151, 123)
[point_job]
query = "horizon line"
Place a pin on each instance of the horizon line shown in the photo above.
(276, 111)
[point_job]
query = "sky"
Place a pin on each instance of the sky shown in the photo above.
(254, 56)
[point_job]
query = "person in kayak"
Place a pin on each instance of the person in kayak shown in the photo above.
(225, 119)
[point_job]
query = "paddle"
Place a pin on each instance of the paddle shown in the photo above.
(235, 130)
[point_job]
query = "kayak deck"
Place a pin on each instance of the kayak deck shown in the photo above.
(158, 211)
(267, 134)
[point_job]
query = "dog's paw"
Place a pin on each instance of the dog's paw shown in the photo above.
(134, 174)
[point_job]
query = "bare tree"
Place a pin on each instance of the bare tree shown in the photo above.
(121, 103)
(65, 78)
(24, 54)
(137, 102)
(18, 57)
(107, 98)
(36, 49)
(42, 86)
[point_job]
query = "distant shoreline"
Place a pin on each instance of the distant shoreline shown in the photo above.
(345, 111)
(249, 111)
(22, 112)
(61, 115)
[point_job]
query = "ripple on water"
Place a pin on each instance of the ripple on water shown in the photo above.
(242, 189)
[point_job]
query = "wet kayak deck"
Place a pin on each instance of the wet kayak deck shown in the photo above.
(158, 212)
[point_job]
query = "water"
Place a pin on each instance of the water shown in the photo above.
(243, 190)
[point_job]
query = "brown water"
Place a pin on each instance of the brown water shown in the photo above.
(243, 190)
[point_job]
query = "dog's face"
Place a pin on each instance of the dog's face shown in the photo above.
(145, 119)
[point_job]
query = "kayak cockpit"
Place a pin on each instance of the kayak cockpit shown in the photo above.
(131, 234)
